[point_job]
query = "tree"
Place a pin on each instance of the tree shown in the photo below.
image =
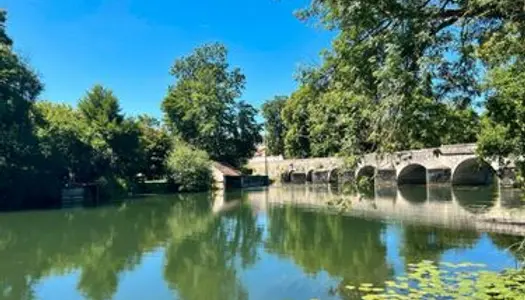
(201, 106)
(62, 135)
(412, 67)
(274, 125)
(20, 158)
(114, 137)
(155, 143)
(503, 131)
(248, 134)
(295, 117)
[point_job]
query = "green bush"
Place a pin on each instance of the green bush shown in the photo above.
(111, 187)
(189, 168)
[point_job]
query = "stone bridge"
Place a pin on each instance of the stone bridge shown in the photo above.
(448, 164)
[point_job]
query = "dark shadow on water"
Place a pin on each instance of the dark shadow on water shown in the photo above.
(439, 193)
(476, 200)
(386, 193)
(415, 194)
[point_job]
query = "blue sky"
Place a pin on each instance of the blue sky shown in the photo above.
(129, 45)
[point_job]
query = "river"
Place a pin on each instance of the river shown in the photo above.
(277, 243)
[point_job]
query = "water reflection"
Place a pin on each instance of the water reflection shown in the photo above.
(100, 243)
(416, 194)
(347, 248)
(208, 244)
(201, 264)
(429, 243)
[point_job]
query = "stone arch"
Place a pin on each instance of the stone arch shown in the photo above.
(412, 174)
(472, 172)
(309, 175)
(297, 176)
(367, 172)
(286, 176)
(333, 175)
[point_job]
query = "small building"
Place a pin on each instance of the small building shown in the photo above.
(222, 171)
(226, 177)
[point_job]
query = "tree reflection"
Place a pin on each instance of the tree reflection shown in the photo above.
(514, 244)
(344, 247)
(204, 264)
(429, 243)
(203, 253)
(100, 243)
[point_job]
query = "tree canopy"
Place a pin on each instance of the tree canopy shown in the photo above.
(274, 125)
(20, 156)
(202, 107)
(408, 75)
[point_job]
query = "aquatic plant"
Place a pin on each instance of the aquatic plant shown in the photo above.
(428, 280)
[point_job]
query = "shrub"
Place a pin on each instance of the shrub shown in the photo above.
(111, 187)
(189, 168)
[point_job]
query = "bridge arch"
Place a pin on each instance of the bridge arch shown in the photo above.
(333, 175)
(309, 175)
(366, 171)
(471, 172)
(412, 174)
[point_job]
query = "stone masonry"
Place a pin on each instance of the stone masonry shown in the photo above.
(448, 164)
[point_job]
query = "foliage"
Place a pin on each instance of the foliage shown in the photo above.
(295, 118)
(401, 75)
(114, 138)
(156, 143)
(503, 126)
(449, 281)
(274, 125)
(49, 145)
(201, 106)
(53, 145)
(20, 158)
(189, 168)
(94, 143)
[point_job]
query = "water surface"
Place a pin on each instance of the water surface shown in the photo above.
(277, 243)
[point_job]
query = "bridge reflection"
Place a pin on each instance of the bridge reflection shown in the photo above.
(476, 207)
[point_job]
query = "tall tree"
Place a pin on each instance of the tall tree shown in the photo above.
(295, 116)
(503, 125)
(274, 125)
(20, 157)
(156, 144)
(248, 133)
(201, 106)
(62, 134)
(415, 65)
(114, 137)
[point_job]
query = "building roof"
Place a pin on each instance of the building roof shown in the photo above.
(226, 169)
